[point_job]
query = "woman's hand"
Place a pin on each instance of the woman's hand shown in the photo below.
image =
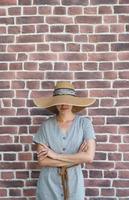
(83, 147)
(46, 152)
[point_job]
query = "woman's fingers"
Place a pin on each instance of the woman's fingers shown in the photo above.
(83, 146)
(43, 152)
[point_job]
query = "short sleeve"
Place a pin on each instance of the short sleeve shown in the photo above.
(41, 137)
(88, 129)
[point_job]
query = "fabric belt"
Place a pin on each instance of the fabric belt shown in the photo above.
(64, 179)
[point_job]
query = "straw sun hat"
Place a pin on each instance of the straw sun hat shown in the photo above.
(64, 93)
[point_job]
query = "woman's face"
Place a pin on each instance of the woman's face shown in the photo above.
(64, 108)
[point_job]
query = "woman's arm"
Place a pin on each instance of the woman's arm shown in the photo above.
(45, 161)
(84, 155)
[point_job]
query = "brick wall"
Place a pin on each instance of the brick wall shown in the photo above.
(85, 41)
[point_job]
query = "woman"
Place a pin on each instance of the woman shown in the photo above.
(64, 142)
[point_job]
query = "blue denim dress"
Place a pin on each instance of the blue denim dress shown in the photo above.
(49, 186)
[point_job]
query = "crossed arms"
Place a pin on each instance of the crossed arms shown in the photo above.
(48, 158)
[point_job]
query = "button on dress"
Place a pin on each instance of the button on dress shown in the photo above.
(49, 186)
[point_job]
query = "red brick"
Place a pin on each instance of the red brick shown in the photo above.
(86, 29)
(29, 75)
(59, 20)
(105, 93)
(72, 56)
(10, 147)
(75, 66)
(121, 84)
(59, 37)
(74, 10)
(102, 111)
(6, 94)
(56, 28)
(115, 156)
(108, 192)
(117, 28)
(123, 111)
(92, 192)
(107, 102)
(30, 20)
(21, 48)
(102, 47)
(110, 75)
(60, 66)
(29, 11)
(6, 20)
(97, 2)
(3, 192)
(43, 56)
(105, 66)
(15, 192)
(106, 147)
(13, 29)
(2, 12)
(8, 183)
(123, 2)
(2, 29)
(8, 130)
(98, 183)
(33, 85)
(45, 66)
(18, 103)
(124, 75)
(124, 37)
(28, 29)
(101, 38)
(73, 47)
(7, 111)
(45, 10)
(14, 11)
(22, 111)
(102, 29)
(123, 174)
(61, 75)
(115, 139)
(98, 84)
(9, 157)
(24, 2)
(120, 47)
(72, 2)
(122, 193)
(6, 139)
(123, 147)
(4, 85)
(105, 10)
(123, 18)
(17, 120)
(98, 120)
(90, 10)
(7, 175)
(48, 2)
(8, 2)
(121, 65)
(95, 174)
(118, 120)
(72, 28)
(80, 38)
(123, 93)
(59, 10)
(29, 192)
(7, 57)
(88, 19)
(110, 19)
(42, 28)
(124, 129)
(29, 38)
(57, 47)
(122, 165)
(120, 183)
(122, 102)
(43, 47)
(88, 75)
(79, 84)
(102, 56)
(25, 156)
(22, 93)
(87, 47)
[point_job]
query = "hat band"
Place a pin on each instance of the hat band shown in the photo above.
(64, 91)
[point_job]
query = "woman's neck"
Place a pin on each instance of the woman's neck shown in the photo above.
(64, 117)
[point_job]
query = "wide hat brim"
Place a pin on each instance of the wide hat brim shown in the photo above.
(50, 103)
